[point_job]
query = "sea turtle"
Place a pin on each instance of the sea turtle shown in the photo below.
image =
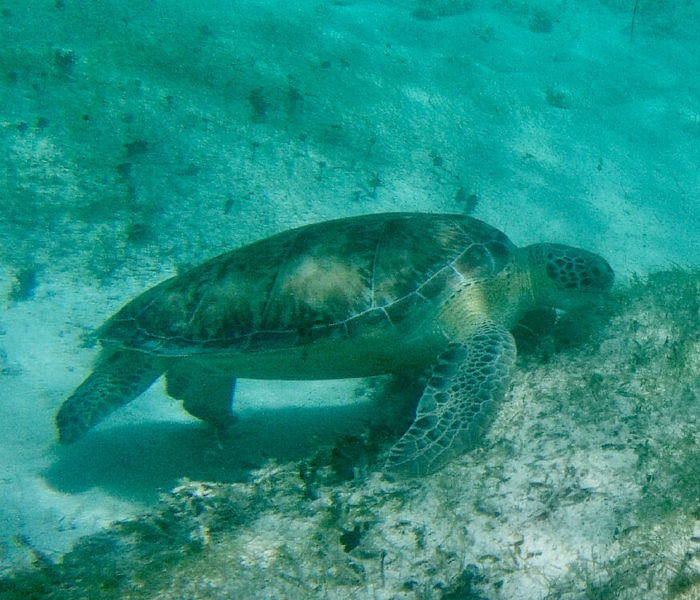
(352, 297)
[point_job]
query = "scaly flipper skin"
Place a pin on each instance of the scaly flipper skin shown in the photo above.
(117, 380)
(467, 383)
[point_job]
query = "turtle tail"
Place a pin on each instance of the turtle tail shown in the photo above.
(118, 378)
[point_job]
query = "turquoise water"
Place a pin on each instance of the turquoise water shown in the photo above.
(140, 138)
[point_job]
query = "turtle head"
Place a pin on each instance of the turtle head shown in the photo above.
(566, 277)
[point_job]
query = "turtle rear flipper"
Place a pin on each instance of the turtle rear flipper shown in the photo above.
(458, 403)
(204, 394)
(118, 378)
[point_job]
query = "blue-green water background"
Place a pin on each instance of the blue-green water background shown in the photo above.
(141, 137)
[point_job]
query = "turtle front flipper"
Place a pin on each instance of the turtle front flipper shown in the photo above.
(118, 378)
(467, 382)
(204, 394)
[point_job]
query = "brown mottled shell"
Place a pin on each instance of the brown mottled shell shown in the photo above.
(318, 282)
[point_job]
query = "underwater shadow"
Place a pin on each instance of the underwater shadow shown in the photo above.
(137, 461)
